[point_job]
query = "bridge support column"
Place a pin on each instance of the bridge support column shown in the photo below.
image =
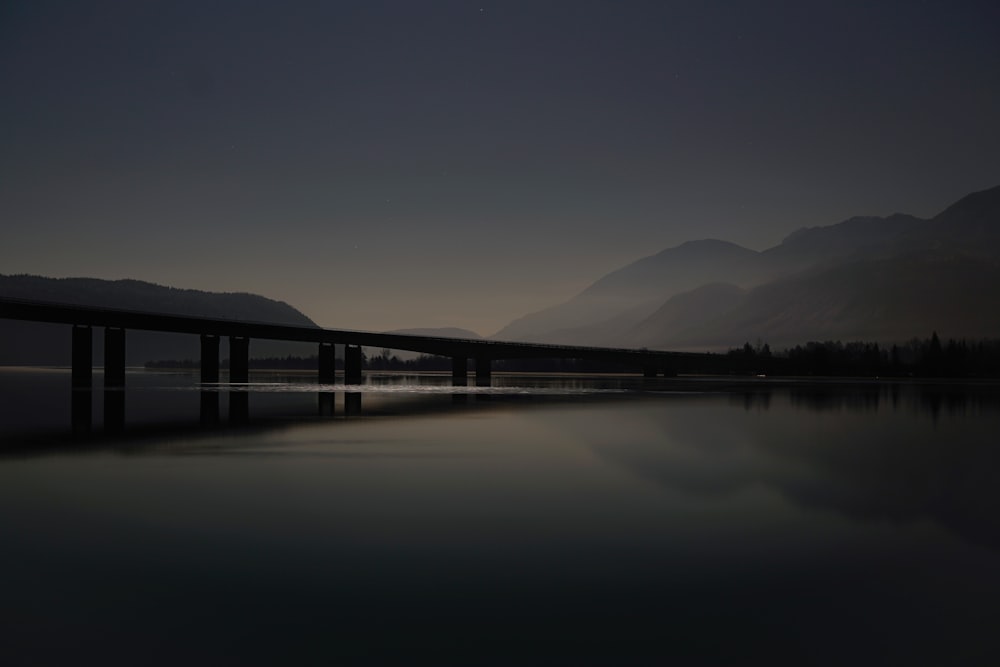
(327, 402)
(114, 379)
(239, 407)
(81, 406)
(114, 409)
(484, 377)
(209, 358)
(459, 371)
(327, 363)
(352, 364)
(209, 407)
(114, 357)
(83, 357)
(239, 359)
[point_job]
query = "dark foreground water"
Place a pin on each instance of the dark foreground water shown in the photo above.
(546, 522)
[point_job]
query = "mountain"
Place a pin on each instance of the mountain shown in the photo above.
(681, 320)
(854, 239)
(39, 343)
(890, 300)
(626, 296)
(970, 226)
(878, 278)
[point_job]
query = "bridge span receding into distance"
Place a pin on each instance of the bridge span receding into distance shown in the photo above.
(116, 323)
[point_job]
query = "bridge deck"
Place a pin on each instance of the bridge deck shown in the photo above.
(35, 311)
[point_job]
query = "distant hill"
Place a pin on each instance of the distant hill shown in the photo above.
(37, 343)
(889, 300)
(626, 296)
(854, 239)
(682, 319)
(875, 278)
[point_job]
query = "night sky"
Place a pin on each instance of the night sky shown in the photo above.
(448, 163)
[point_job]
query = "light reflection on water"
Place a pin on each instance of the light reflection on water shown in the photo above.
(403, 387)
(609, 522)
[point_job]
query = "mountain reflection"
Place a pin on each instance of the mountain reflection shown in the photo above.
(902, 455)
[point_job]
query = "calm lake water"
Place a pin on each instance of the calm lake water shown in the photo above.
(559, 521)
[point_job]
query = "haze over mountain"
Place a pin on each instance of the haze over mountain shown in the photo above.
(626, 296)
(874, 278)
(39, 343)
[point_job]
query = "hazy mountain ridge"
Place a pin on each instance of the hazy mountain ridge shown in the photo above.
(38, 343)
(875, 278)
(636, 290)
(856, 238)
(880, 300)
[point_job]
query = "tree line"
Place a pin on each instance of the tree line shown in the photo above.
(928, 357)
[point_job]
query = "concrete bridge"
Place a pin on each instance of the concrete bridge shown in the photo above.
(484, 352)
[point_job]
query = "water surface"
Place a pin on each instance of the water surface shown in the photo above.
(562, 521)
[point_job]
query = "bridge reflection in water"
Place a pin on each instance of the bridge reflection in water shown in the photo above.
(116, 323)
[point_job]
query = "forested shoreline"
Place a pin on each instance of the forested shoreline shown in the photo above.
(927, 357)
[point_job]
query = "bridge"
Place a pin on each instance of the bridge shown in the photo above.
(115, 323)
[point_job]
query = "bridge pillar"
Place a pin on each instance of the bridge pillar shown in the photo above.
(209, 358)
(352, 403)
(83, 356)
(484, 369)
(327, 401)
(81, 406)
(352, 364)
(209, 407)
(239, 407)
(459, 371)
(114, 409)
(114, 357)
(114, 379)
(239, 359)
(327, 363)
